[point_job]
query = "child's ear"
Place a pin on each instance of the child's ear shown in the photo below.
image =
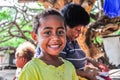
(24, 60)
(34, 36)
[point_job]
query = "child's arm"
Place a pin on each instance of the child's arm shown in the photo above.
(87, 74)
(75, 77)
(98, 65)
(74, 74)
(29, 72)
(27, 75)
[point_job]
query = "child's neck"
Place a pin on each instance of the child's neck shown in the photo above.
(55, 61)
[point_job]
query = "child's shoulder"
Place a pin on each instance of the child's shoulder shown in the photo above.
(32, 62)
(68, 65)
(66, 61)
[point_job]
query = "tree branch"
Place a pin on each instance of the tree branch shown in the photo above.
(7, 48)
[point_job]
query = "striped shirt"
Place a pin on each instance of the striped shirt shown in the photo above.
(73, 53)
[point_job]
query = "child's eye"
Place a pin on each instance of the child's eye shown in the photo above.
(60, 33)
(47, 33)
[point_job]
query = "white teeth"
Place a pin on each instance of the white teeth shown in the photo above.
(54, 46)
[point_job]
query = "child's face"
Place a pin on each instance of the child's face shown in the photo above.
(51, 35)
(20, 61)
(73, 33)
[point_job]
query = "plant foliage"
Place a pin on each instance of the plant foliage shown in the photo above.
(16, 24)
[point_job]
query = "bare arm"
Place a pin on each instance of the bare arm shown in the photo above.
(87, 74)
(100, 66)
(94, 63)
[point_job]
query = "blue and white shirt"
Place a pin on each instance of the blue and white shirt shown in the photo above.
(73, 53)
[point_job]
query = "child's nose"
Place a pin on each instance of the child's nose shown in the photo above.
(77, 35)
(55, 37)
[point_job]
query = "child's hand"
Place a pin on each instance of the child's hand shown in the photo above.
(92, 75)
(103, 68)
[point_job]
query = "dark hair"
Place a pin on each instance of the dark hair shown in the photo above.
(45, 13)
(75, 15)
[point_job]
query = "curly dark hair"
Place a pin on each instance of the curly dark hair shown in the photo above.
(43, 14)
(75, 15)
